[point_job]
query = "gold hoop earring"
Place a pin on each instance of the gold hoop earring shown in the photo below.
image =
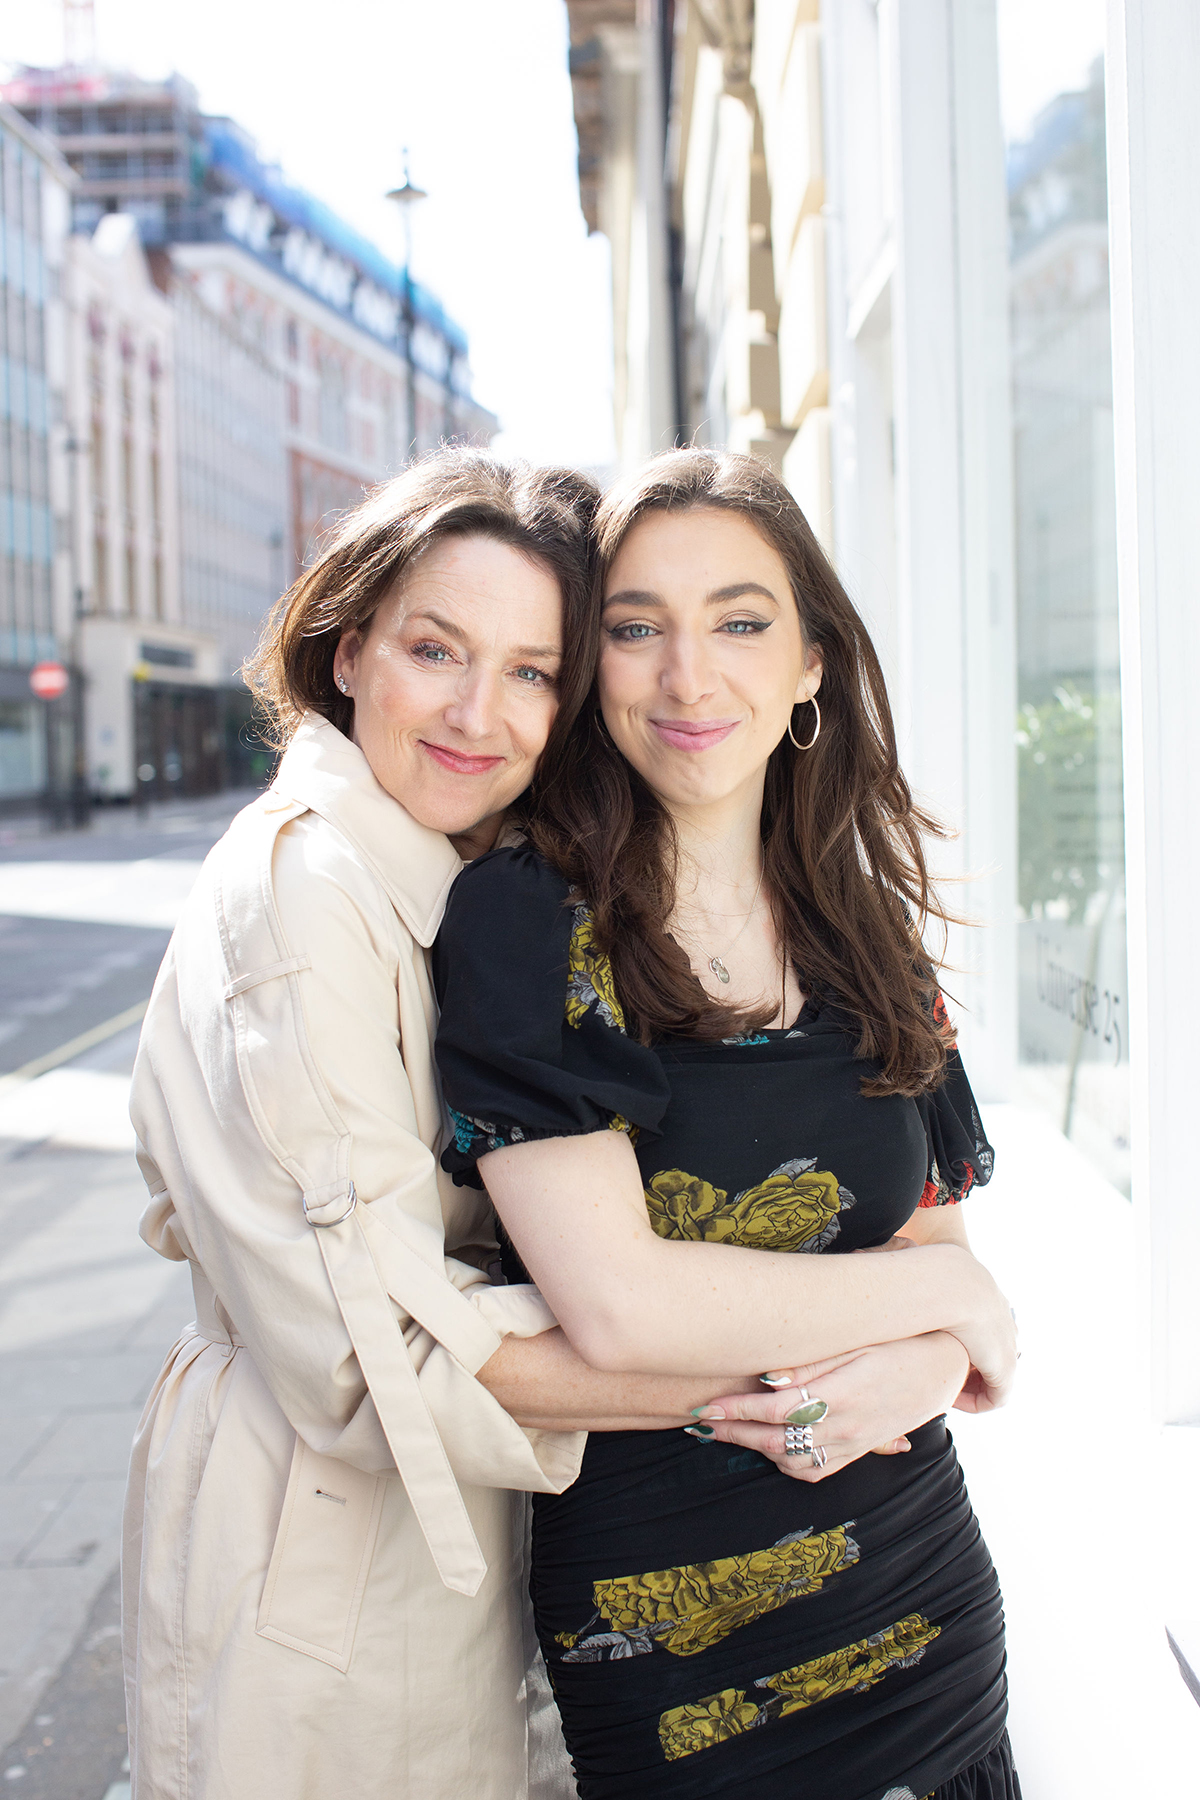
(816, 730)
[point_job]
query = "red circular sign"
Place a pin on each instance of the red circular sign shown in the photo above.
(49, 680)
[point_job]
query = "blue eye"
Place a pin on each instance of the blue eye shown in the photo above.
(745, 627)
(531, 677)
(636, 632)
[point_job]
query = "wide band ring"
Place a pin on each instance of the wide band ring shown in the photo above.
(797, 1440)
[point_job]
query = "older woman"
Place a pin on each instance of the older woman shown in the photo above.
(322, 1563)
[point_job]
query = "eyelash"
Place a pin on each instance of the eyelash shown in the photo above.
(438, 655)
(744, 628)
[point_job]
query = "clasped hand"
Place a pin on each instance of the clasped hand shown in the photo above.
(875, 1396)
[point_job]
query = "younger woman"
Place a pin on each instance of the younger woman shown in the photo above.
(689, 1027)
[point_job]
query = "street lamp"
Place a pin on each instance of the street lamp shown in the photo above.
(406, 197)
(80, 790)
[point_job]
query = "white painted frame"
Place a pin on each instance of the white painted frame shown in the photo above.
(947, 628)
(1153, 78)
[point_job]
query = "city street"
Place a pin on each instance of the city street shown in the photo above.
(86, 1311)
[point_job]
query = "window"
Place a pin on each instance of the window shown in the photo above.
(1072, 1005)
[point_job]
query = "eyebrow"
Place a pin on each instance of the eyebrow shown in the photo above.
(734, 591)
(459, 635)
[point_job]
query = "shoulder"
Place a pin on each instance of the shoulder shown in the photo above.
(515, 876)
(315, 868)
(508, 905)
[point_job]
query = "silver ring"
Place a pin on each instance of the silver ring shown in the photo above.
(820, 1456)
(797, 1440)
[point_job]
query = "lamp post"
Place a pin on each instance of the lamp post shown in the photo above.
(406, 197)
(80, 791)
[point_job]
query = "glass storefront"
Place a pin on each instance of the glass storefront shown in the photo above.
(1073, 1036)
(22, 749)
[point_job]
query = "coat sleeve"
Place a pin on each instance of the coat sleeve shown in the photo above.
(235, 1094)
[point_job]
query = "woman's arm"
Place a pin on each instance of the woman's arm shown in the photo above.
(628, 1300)
(547, 1386)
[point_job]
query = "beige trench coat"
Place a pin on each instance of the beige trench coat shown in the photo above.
(325, 1530)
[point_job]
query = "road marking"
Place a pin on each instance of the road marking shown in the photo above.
(85, 1041)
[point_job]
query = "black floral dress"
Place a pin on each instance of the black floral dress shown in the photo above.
(710, 1626)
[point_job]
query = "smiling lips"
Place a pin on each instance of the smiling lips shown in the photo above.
(693, 734)
(457, 763)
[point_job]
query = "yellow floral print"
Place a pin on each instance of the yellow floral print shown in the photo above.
(589, 976)
(692, 1608)
(683, 1730)
(858, 1666)
(795, 1208)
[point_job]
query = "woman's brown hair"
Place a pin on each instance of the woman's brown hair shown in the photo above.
(842, 839)
(544, 513)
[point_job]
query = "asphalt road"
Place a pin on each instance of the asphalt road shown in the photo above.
(61, 977)
(86, 1312)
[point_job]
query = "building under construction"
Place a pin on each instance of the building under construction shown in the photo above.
(241, 365)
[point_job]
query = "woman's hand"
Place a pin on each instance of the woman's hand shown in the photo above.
(875, 1396)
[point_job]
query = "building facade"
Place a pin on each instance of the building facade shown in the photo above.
(227, 406)
(972, 355)
(150, 675)
(233, 500)
(37, 754)
(375, 370)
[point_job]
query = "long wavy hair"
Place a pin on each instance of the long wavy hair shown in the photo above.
(842, 840)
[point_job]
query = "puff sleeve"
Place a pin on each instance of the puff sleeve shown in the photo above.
(959, 1153)
(531, 1042)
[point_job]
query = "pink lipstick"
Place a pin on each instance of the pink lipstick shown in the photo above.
(694, 734)
(457, 763)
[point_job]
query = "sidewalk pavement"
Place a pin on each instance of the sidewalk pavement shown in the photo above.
(87, 1313)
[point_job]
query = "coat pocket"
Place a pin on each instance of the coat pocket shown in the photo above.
(318, 1571)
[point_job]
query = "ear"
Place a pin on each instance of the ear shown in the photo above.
(345, 659)
(810, 681)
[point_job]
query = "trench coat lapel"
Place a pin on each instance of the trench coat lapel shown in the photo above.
(323, 770)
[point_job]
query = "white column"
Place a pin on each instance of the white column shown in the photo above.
(986, 548)
(1153, 78)
(954, 609)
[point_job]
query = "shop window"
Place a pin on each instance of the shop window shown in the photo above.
(22, 749)
(1073, 1031)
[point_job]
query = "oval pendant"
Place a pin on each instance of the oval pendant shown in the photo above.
(719, 970)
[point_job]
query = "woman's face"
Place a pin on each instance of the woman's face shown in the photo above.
(454, 683)
(702, 657)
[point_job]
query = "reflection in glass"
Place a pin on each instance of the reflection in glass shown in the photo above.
(1072, 1002)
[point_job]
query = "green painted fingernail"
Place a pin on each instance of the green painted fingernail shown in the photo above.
(707, 1412)
(703, 1432)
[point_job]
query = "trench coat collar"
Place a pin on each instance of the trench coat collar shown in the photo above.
(324, 771)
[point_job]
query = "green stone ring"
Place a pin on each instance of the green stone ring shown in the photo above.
(811, 1412)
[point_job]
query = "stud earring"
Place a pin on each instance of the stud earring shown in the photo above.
(342, 684)
(816, 730)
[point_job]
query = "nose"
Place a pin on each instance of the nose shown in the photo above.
(689, 673)
(475, 710)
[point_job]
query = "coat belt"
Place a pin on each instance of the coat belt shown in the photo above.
(368, 1268)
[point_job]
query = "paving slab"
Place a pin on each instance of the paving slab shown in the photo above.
(74, 1747)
